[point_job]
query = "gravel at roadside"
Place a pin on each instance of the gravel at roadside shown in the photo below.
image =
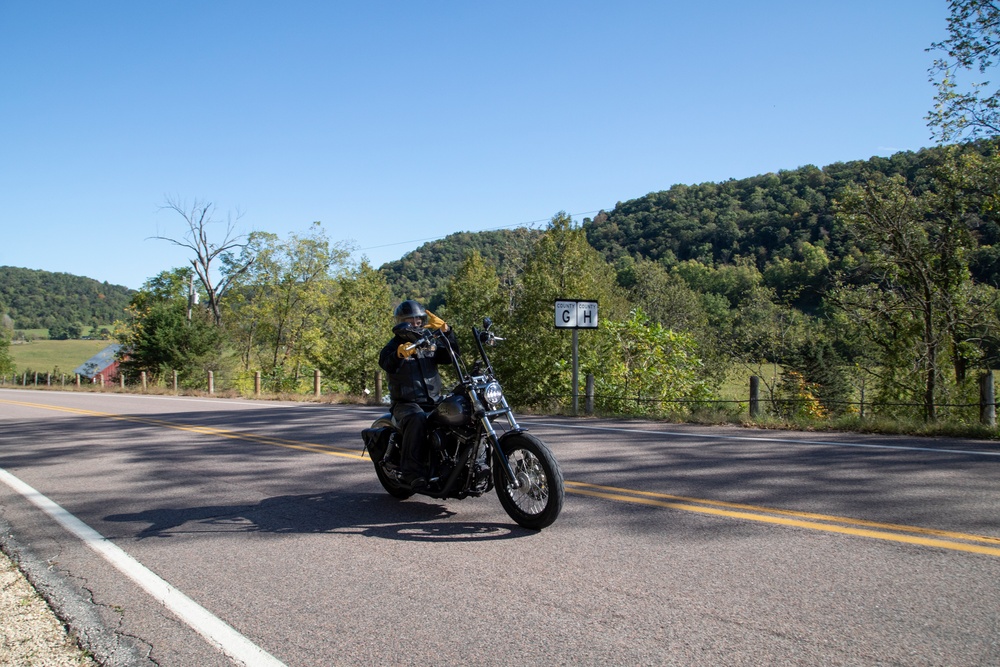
(30, 634)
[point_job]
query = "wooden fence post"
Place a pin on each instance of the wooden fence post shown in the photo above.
(121, 380)
(754, 396)
(316, 382)
(143, 380)
(211, 382)
(175, 382)
(256, 383)
(987, 400)
(589, 403)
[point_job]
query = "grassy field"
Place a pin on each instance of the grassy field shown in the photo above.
(54, 355)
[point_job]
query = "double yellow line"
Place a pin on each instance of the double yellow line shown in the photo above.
(927, 537)
(203, 430)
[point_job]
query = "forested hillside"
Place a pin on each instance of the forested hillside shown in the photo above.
(424, 273)
(41, 299)
(773, 220)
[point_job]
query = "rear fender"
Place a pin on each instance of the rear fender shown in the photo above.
(376, 437)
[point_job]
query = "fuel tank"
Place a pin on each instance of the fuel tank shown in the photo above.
(453, 411)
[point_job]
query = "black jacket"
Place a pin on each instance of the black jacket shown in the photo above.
(415, 379)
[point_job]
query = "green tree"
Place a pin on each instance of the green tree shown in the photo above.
(473, 293)
(737, 282)
(922, 297)
(6, 360)
(817, 366)
(969, 108)
(640, 367)
(65, 331)
(358, 323)
(158, 337)
(799, 280)
(535, 360)
(760, 334)
(668, 300)
(889, 220)
(277, 304)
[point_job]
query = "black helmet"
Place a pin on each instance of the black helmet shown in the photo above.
(408, 309)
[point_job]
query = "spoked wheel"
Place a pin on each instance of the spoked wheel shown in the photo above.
(537, 500)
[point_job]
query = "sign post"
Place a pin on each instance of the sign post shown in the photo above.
(575, 315)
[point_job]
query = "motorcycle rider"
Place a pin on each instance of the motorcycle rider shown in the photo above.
(414, 384)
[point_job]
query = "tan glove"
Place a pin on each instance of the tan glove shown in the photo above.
(406, 350)
(435, 322)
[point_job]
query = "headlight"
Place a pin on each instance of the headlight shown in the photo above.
(493, 394)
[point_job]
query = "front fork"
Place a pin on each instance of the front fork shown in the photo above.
(491, 434)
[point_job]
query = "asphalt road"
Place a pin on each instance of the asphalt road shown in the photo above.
(678, 545)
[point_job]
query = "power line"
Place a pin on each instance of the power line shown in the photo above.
(491, 229)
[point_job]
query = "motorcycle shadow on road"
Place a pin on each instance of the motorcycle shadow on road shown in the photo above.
(333, 512)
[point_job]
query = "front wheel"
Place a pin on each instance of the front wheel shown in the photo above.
(538, 499)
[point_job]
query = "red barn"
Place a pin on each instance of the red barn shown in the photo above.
(102, 367)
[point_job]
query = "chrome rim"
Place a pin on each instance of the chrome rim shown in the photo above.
(532, 495)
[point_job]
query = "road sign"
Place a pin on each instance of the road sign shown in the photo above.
(565, 314)
(576, 314)
(586, 314)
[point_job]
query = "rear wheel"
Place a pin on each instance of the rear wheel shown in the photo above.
(392, 486)
(537, 500)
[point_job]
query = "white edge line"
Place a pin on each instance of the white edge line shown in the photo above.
(219, 633)
(788, 441)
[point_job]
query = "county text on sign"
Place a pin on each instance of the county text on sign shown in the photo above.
(575, 314)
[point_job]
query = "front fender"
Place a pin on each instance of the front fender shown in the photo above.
(522, 432)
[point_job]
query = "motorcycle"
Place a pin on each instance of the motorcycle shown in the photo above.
(467, 455)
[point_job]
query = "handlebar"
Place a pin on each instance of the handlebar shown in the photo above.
(420, 337)
(425, 340)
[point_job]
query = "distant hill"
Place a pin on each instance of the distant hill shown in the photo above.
(423, 274)
(36, 299)
(762, 218)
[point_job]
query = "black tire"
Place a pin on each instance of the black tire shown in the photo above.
(391, 486)
(538, 501)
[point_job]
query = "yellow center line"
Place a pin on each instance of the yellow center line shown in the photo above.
(204, 430)
(785, 518)
(822, 522)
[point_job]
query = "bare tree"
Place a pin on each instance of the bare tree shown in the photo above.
(233, 252)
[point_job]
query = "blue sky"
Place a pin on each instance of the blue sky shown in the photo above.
(397, 122)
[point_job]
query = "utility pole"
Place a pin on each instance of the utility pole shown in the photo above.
(190, 295)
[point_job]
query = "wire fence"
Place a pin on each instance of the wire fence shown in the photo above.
(757, 404)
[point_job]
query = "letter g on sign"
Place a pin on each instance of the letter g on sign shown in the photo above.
(565, 314)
